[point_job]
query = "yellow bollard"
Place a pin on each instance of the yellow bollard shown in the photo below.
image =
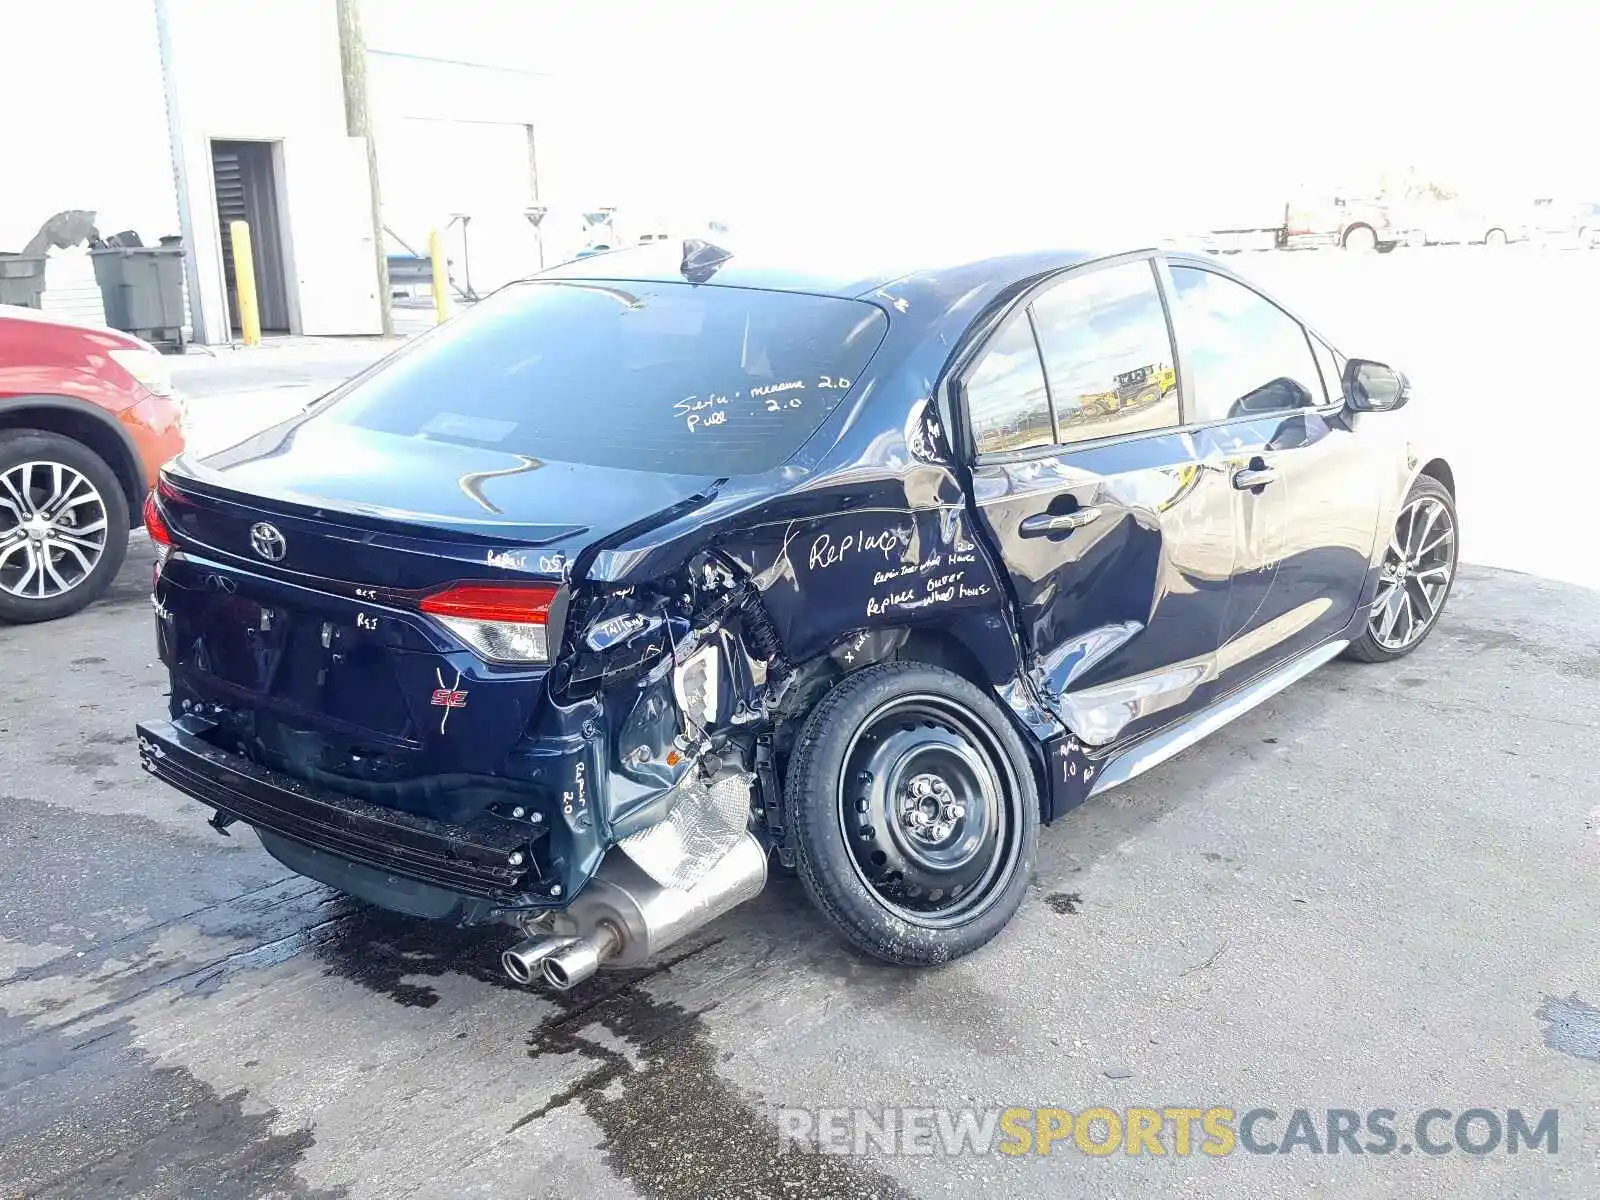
(244, 279)
(441, 277)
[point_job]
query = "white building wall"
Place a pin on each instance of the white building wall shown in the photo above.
(453, 139)
(270, 72)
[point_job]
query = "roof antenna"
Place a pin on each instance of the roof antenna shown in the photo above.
(701, 259)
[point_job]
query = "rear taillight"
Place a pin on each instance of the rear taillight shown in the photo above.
(503, 623)
(156, 527)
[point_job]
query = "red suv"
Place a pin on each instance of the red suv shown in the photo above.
(87, 417)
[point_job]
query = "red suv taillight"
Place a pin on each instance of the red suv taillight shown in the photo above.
(502, 622)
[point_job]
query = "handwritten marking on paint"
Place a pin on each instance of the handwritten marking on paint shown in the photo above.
(577, 801)
(827, 552)
(935, 589)
(363, 621)
(699, 412)
(770, 389)
(553, 564)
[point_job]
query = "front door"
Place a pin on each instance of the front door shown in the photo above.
(1303, 489)
(1118, 539)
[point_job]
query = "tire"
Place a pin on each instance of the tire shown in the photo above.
(931, 784)
(1419, 583)
(1360, 239)
(83, 548)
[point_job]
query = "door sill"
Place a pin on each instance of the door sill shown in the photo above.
(1154, 750)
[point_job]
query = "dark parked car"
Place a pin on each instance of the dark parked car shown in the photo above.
(574, 612)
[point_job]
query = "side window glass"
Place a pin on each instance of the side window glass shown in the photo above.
(1107, 354)
(1332, 368)
(1007, 405)
(1245, 354)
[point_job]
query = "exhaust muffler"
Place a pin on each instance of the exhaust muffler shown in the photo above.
(623, 917)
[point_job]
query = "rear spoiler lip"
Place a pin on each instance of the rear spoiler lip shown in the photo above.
(398, 522)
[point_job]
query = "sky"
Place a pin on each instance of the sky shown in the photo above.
(1032, 115)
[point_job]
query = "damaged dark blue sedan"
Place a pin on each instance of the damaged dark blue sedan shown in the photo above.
(577, 611)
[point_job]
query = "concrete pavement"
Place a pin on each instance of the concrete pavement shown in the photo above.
(1364, 894)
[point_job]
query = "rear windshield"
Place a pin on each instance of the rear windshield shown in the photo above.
(653, 376)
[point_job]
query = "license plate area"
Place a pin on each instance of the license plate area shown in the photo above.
(300, 649)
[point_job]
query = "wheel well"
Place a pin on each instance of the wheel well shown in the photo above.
(941, 650)
(97, 435)
(1440, 470)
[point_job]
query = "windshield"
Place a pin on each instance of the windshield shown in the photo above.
(651, 376)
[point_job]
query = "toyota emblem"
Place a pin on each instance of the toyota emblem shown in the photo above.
(267, 541)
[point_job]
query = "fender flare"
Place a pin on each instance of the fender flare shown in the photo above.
(126, 466)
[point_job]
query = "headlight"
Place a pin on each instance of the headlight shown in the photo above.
(695, 685)
(148, 367)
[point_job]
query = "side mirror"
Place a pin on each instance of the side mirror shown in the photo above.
(1372, 387)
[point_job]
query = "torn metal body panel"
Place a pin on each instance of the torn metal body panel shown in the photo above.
(478, 658)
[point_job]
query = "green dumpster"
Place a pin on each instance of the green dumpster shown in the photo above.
(21, 279)
(143, 291)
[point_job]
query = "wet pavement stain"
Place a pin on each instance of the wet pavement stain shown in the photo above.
(101, 1119)
(86, 761)
(675, 1129)
(1571, 1026)
(380, 951)
(1583, 668)
(1482, 638)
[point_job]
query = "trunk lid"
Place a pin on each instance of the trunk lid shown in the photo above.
(362, 507)
(323, 644)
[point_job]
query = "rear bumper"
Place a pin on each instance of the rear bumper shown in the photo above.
(467, 860)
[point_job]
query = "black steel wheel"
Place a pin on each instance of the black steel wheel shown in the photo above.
(914, 813)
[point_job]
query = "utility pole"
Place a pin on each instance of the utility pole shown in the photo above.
(358, 123)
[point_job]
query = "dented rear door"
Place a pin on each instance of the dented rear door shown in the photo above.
(1118, 538)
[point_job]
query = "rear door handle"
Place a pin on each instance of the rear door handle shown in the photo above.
(1254, 477)
(1042, 523)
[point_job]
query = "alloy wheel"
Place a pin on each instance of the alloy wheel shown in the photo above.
(53, 529)
(925, 807)
(1417, 568)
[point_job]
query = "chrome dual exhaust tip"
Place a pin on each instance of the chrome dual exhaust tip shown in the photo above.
(570, 965)
(523, 961)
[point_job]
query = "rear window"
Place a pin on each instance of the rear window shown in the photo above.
(653, 376)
